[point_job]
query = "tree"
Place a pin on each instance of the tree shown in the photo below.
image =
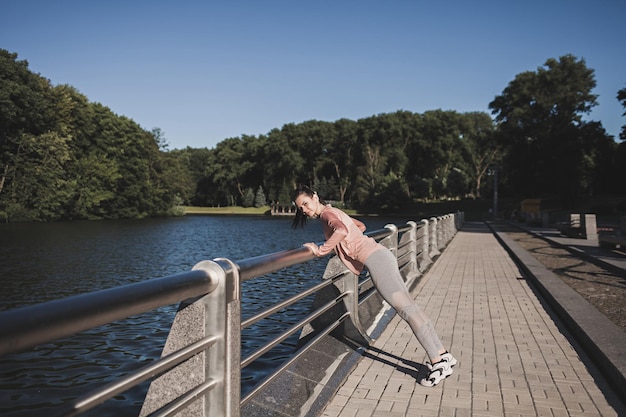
(160, 139)
(539, 116)
(372, 163)
(228, 169)
(39, 188)
(621, 97)
(94, 179)
(282, 163)
(435, 152)
(341, 154)
(259, 198)
(27, 111)
(64, 157)
(248, 198)
(177, 176)
(620, 153)
(481, 148)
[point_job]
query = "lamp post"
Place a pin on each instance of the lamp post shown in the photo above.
(495, 192)
(494, 171)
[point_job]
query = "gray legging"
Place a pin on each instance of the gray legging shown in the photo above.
(383, 268)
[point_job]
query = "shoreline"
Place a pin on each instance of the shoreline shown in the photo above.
(246, 211)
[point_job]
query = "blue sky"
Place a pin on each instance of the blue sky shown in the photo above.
(204, 71)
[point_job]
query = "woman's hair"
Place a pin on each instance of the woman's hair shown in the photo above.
(300, 219)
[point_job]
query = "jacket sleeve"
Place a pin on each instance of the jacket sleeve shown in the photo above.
(340, 231)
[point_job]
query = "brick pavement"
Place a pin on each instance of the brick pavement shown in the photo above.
(515, 359)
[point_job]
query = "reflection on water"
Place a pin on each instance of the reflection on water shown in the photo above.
(42, 262)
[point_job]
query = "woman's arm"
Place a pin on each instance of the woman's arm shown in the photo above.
(340, 231)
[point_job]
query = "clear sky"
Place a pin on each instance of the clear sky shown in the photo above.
(204, 71)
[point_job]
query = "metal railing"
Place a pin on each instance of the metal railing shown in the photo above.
(202, 354)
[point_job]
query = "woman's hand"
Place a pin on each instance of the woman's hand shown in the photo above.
(312, 247)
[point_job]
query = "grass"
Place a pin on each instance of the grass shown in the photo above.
(608, 209)
(424, 210)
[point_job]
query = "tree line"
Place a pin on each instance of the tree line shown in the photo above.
(64, 157)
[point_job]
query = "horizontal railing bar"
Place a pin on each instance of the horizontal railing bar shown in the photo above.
(338, 275)
(265, 264)
(402, 258)
(29, 326)
(189, 397)
(280, 338)
(98, 396)
(268, 379)
(285, 303)
(367, 294)
(25, 327)
(366, 279)
(403, 244)
(379, 234)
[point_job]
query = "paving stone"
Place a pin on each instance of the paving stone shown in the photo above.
(514, 359)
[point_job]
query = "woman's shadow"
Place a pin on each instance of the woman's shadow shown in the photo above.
(415, 370)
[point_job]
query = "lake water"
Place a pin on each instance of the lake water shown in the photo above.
(42, 262)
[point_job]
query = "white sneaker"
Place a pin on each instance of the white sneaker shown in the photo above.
(439, 371)
(448, 357)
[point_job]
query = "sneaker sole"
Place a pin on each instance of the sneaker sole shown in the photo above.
(433, 380)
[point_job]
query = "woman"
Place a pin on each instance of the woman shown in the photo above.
(344, 235)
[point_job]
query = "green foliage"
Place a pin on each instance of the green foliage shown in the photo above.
(39, 187)
(248, 198)
(259, 198)
(549, 149)
(621, 97)
(64, 157)
(284, 193)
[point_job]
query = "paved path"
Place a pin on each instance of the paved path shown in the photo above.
(515, 359)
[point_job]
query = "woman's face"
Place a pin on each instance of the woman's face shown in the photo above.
(310, 206)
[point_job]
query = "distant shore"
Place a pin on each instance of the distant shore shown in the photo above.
(253, 211)
(248, 211)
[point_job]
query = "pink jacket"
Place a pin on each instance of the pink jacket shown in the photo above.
(345, 236)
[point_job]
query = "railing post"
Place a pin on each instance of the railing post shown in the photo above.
(232, 359)
(408, 243)
(204, 385)
(440, 242)
(412, 238)
(391, 241)
(443, 232)
(423, 237)
(348, 284)
(447, 231)
(433, 248)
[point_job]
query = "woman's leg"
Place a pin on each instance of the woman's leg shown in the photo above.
(383, 268)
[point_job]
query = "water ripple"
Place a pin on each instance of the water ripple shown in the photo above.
(42, 262)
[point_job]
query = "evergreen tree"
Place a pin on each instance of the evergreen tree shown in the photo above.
(259, 199)
(248, 198)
